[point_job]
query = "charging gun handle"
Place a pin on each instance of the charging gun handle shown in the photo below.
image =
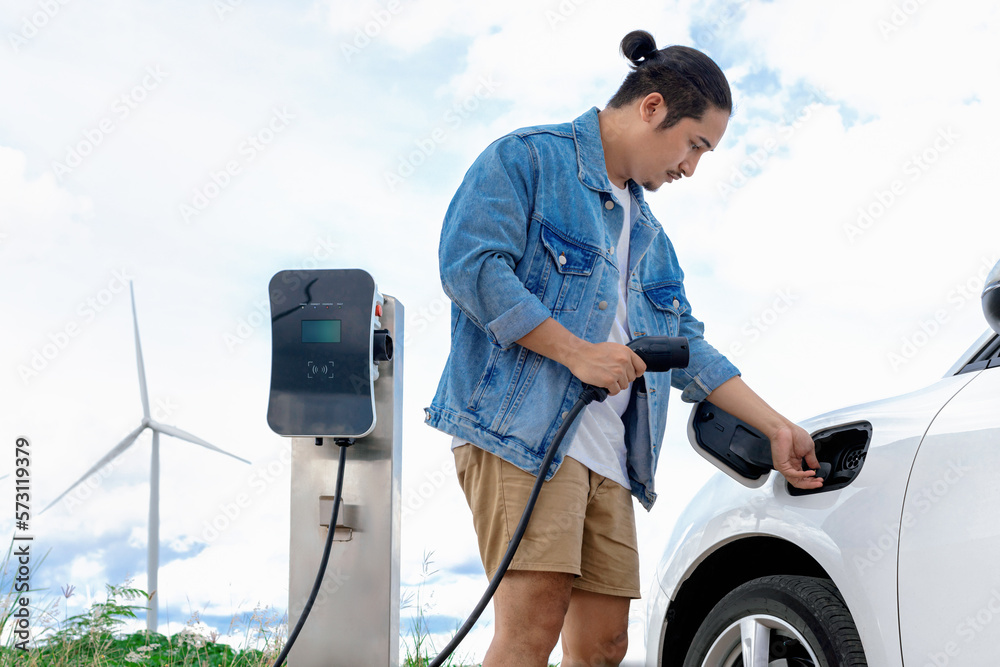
(659, 353)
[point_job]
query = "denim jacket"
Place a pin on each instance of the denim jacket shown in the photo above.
(529, 235)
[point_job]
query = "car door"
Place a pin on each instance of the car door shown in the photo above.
(949, 545)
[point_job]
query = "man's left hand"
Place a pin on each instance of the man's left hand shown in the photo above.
(789, 445)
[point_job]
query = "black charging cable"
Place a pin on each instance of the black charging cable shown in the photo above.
(344, 443)
(587, 396)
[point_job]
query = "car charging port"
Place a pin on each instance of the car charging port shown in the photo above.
(843, 449)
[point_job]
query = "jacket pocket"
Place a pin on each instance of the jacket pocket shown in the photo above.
(571, 265)
(668, 306)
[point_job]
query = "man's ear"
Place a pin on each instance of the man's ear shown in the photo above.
(650, 106)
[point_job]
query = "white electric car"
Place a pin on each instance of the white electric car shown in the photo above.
(895, 561)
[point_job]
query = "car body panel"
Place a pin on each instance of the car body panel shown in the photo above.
(852, 532)
(949, 579)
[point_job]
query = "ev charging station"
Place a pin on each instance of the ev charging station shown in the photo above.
(337, 384)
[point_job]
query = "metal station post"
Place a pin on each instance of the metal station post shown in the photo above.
(355, 619)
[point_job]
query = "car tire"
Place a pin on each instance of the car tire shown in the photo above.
(794, 621)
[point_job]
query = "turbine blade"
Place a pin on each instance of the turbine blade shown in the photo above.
(138, 357)
(118, 449)
(184, 435)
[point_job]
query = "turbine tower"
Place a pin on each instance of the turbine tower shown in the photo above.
(153, 557)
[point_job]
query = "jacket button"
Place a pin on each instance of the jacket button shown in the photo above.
(603, 305)
(562, 260)
(677, 303)
(565, 414)
(609, 204)
(611, 250)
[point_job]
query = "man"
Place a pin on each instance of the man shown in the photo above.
(553, 261)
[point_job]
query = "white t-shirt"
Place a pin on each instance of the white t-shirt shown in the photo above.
(599, 442)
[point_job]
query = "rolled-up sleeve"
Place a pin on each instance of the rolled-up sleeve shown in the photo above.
(484, 237)
(707, 368)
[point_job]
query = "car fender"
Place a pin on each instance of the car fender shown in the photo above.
(853, 532)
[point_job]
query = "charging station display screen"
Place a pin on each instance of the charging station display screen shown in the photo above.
(320, 331)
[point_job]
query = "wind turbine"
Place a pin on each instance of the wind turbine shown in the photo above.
(153, 557)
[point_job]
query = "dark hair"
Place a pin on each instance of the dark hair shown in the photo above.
(687, 79)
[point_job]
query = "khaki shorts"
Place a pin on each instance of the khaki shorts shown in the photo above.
(583, 523)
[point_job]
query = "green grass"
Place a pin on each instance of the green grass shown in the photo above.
(141, 648)
(97, 637)
(94, 639)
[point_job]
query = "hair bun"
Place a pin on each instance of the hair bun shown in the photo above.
(638, 45)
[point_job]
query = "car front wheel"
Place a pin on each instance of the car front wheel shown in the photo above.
(779, 621)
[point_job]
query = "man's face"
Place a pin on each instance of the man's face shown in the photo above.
(663, 156)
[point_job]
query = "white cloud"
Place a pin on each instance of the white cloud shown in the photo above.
(39, 216)
(85, 568)
(932, 56)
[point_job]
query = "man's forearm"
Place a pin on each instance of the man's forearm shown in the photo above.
(609, 365)
(790, 444)
(553, 340)
(739, 400)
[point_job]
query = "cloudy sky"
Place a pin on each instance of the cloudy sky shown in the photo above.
(835, 243)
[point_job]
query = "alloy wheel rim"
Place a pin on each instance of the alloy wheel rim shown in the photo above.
(760, 640)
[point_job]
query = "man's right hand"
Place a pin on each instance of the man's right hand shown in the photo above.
(609, 365)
